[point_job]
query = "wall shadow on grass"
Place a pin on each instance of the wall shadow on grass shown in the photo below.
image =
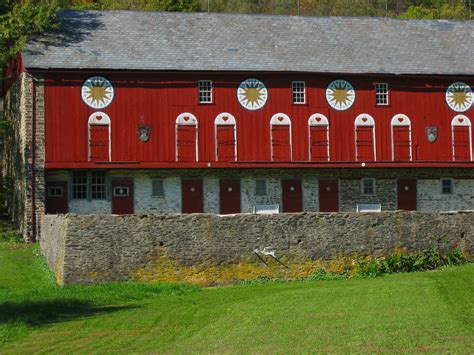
(40, 313)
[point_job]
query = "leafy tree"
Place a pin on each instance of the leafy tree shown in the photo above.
(420, 12)
(19, 21)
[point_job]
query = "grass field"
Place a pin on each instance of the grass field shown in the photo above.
(421, 312)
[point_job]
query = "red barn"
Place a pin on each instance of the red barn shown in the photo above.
(146, 112)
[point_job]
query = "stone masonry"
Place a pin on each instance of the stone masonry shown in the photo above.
(196, 248)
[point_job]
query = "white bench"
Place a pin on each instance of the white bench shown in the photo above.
(266, 209)
(369, 207)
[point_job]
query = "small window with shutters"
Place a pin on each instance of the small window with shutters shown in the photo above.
(365, 138)
(186, 138)
(226, 137)
(401, 138)
(99, 137)
(318, 138)
(461, 134)
(280, 136)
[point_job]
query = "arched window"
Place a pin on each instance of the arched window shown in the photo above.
(186, 137)
(401, 138)
(462, 138)
(99, 137)
(318, 125)
(226, 137)
(365, 138)
(280, 136)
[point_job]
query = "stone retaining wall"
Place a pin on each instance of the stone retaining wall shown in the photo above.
(209, 249)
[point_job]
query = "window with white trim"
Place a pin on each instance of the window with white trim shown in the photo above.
(299, 92)
(55, 191)
(261, 187)
(205, 91)
(447, 186)
(368, 186)
(381, 94)
(79, 185)
(98, 185)
(158, 189)
(89, 184)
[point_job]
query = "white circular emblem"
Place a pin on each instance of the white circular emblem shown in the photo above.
(193, 189)
(229, 189)
(459, 96)
(252, 94)
(97, 92)
(340, 95)
(292, 188)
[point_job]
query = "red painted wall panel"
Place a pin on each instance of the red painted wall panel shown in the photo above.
(225, 143)
(365, 144)
(158, 98)
(281, 145)
(461, 144)
(186, 143)
(99, 143)
(319, 143)
(401, 143)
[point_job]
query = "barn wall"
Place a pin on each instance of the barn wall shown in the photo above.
(429, 194)
(209, 249)
(158, 98)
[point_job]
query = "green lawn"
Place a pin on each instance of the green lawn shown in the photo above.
(423, 312)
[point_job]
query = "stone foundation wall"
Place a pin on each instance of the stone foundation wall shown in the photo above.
(209, 249)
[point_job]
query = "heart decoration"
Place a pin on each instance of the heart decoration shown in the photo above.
(98, 117)
(318, 119)
(186, 118)
(460, 120)
(281, 119)
(400, 119)
(225, 118)
(364, 119)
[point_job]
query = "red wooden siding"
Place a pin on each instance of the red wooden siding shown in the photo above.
(365, 143)
(225, 143)
(186, 143)
(461, 143)
(319, 144)
(99, 143)
(281, 145)
(401, 143)
(157, 99)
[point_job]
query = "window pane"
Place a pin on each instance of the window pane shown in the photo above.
(98, 186)
(368, 186)
(381, 94)
(158, 188)
(261, 187)
(298, 92)
(79, 185)
(205, 91)
(447, 186)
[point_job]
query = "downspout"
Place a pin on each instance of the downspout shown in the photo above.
(33, 163)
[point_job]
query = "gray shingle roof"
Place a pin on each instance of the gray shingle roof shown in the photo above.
(135, 40)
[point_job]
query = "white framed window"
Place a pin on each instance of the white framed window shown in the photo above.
(298, 92)
(381, 94)
(446, 186)
(205, 91)
(261, 187)
(55, 191)
(368, 187)
(79, 185)
(89, 184)
(158, 188)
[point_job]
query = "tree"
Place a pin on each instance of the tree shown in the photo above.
(19, 21)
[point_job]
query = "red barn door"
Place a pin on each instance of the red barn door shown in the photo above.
(226, 145)
(122, 196)
(462, 138)
(365, 138)
(318, 138)
(406, 194)
(328, 195)
(186, 137)
(99, 137)
(192, 196)
(401, 138)
(56, 197)
(292, 196)
(280, 130)
(229, 196)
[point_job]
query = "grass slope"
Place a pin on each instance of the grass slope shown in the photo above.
(429, 311)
